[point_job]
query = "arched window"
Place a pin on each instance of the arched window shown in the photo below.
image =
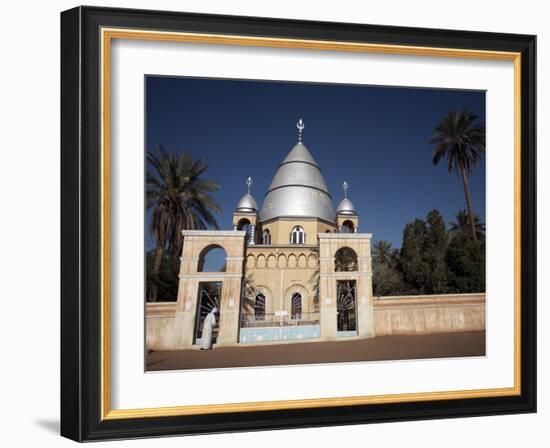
(259, 307)
(296, 306)
(212, 259)
(347, 227)
(297, 236)
(244, 224)
(266, 237)
(345, 259)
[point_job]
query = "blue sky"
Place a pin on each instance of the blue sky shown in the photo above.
(375, 138)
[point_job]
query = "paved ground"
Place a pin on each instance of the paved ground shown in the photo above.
(377, 349)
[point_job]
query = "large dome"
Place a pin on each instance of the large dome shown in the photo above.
(298, 189)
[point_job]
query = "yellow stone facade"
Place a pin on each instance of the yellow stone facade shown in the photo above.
(277, 271)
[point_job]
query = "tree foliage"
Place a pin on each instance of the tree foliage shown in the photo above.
(178, 198)
(465, 261)
(432, 259)
(435, 247)
(411, 258)
(386, 277)
(167, 286)
(458, 138)
(462, 224)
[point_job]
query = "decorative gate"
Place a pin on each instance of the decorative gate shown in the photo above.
(346, 307)
(208, 299)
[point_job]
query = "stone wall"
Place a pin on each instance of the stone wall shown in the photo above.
(159, 327)
(400, 315)
(406, 315)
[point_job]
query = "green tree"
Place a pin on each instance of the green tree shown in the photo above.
(167, 282)
(411, 258)
(179, 198)
(434, 254)
(386, 278)
(382, 252)
(465, 261)
(458, 138)
(462, 224)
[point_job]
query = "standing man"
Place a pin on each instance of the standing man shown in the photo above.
(208, 329)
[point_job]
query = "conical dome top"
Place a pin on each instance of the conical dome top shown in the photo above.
(298, 189)
(300, 154)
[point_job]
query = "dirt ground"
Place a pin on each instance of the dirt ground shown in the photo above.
(381, 348)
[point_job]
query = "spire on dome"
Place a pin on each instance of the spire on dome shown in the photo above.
(300, 125)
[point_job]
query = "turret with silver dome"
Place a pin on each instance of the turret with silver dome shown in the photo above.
(346, 215)
(245, 215)
(247, 203)
(346, 206)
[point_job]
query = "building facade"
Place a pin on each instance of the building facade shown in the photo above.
(296, 269)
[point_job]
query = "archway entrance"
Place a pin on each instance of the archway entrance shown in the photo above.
(346, 308)
(209, 298)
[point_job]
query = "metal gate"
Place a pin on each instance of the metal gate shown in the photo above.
(346, 307)
(209, 298)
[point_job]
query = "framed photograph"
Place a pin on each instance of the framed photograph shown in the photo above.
(277, 224)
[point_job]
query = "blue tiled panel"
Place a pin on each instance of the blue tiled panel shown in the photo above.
(267, 334)
(346, 334)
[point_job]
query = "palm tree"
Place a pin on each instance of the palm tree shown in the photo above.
(463, 142)
(382, 252)
(462, 224)
(180, 199)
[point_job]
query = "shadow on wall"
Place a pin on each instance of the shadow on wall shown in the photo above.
(49, 425)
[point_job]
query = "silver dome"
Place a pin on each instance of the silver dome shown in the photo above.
(298, 189)
(247, 204)
(346, 208)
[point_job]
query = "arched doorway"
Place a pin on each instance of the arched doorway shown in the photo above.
(209, 298)
(345, 260)
(346, 307)
(211, 259)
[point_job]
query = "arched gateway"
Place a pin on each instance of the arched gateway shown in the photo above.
(296, 270)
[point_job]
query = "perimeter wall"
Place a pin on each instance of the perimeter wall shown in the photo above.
(397, 315)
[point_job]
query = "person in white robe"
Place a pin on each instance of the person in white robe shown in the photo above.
(208, 329)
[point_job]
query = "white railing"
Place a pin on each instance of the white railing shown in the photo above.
(276, 320)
